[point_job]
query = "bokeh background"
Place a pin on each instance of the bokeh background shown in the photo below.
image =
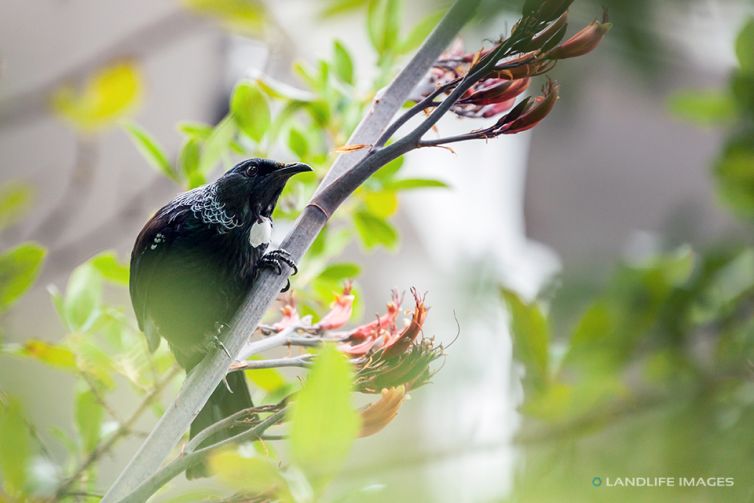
(613, 175)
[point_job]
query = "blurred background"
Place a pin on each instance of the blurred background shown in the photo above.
(620, 172)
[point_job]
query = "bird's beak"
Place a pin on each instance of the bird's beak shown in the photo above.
(288, 170)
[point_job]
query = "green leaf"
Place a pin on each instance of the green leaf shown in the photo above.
(298, 143)
(88, 415)
(323, 422)
(341, 271)
(382, 203)
(415, 183)
(16, 446)
(706, 108)
(83, 296)
(217, 145)
(419, 33)
(745, 46)
(343, 63)
(257, 475)
(150, 149)
(14, 201)
(375, 231)
(189, 160)
(19, 268)
(110, 268)
(383, 25)
(250, 110)
(195, 130)
(530, 337)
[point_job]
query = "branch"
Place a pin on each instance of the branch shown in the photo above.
(303, 361)
(239, 417)
(174, 468)
(205, 377)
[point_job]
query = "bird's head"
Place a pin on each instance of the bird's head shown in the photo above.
(253, 186)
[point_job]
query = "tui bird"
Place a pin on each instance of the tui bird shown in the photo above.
(194, 261)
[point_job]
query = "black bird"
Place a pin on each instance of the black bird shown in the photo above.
(194, 261)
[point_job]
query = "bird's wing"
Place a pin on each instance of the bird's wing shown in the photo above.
(152, 246)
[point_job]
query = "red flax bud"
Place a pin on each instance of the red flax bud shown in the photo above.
(582, 42)
(496, 92)
(532, 113)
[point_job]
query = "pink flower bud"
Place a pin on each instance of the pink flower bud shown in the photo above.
(363, 338)
(583, 42)
(532, 113)
(495, 91)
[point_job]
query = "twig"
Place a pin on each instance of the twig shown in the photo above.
(122, 431)
(233, 420)
(204, 378)
(303, 361)
(413, 111)
(172, 469)
(281, 338)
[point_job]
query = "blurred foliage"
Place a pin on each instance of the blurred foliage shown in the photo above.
(733, 108)
(654, 377)
(105, 96)
(15, 198)
(19, 268)
(654, 380)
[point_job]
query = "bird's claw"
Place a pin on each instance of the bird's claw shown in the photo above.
(274, 260)
(218, 343)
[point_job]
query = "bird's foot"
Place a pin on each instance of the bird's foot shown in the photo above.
(274, 260)
(219, 344)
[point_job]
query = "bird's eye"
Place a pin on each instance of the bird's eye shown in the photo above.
(251, 170)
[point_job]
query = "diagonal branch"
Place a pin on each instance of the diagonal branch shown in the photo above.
(174, 468)
(204, 378)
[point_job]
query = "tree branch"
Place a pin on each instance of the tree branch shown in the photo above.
(303, 361)
(204, 377)
(239, 417)
(174, 468)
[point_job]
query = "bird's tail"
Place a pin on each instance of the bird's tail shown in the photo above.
(223, 402)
